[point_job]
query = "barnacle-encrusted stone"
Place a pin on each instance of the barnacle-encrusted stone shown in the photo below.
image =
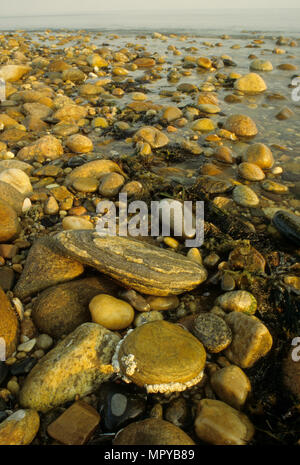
(162, 357)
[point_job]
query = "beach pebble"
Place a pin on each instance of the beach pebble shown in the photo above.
(251, 83)
(212, 331)
(148, 317)
(112, 313)
(20, 428)
(111, 184)
(76, 366)
(45, 147)
(251, 172)
(174, 362)
(163, 303)
(152, 431)
(18, 179)
(237, 301)
(44, 342)
(154, 137)
(260, 155)
(261, 65)
(241, 125)
(75, 425)
(203, 124)
(76, 222)
(251, 339)
(9, 224)
(245, 196)
(85, 184)
(51, 206)
(231, 385)
(78, 143)
(219, 424)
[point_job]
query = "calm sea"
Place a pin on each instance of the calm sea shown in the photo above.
(203, 22)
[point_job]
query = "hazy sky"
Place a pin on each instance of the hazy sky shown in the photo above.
(38, 7)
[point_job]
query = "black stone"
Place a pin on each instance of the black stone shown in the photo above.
(76, 161)
(3, 405)
(132, 398)
(288, 224)
(3, 416)
(23, 367)
(3, 373)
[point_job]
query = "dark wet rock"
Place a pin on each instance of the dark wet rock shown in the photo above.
(7, 278)
(178, 413)
(3, 373)
(119, 404)
(76, 161)
(288, 224)
(3, 415)
(23, 367)
(152, 431)
(59, 309)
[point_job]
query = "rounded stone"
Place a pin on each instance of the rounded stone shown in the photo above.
(111, 184)
(85, 184)
(18, 179)
(231, 385)
(9, 224)
(209, 108)
(241, 125)
(151, 432)
(60, 309)
(78, 143)
(171, 114)
(162, 357)
(245, 196)
(250, 172)
(219, 424)
(20, 428)
(261, 65)
(75, 367)
(252, 83)
(224, 154)
(40, 150)
(112, 313)
(203, 124)
(212, 331)
(76, 222)
(152, 136)
(275, 187)
(163, 303)
(148, 317)
(9, 327)
(237, 301)
(260, 155)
